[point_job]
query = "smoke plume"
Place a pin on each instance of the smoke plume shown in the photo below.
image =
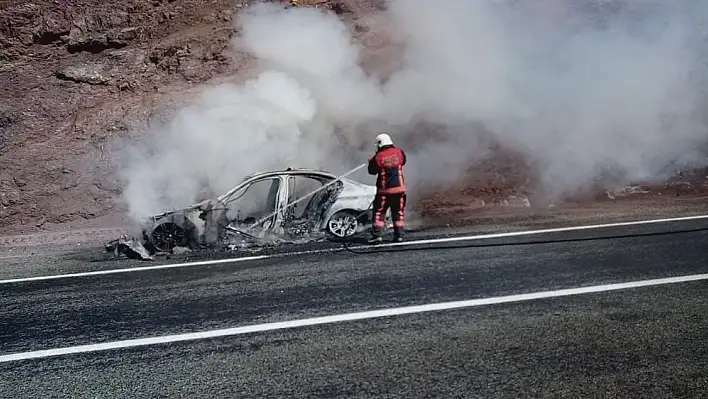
(582, 89)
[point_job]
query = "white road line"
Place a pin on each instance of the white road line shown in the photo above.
(344, 317)
(546, 231)
(158, 267)
(329, 250)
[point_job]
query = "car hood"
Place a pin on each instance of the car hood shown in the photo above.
(194, 207)
(355, 188)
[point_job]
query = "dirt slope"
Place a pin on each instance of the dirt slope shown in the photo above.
(75, 72)
(72, 73)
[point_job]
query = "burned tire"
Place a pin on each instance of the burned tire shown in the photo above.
(343, 224)
(168, 235)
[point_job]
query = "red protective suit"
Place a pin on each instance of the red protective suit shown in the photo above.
(387, 164)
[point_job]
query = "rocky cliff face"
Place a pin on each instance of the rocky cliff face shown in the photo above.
(77, 72)
(74, 73)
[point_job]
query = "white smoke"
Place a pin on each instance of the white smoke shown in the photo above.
(579, 89)
(228, 132)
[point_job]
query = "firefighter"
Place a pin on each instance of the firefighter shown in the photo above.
(387, 164)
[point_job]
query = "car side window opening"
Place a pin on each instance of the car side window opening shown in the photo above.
(299, 187)
(254, 201)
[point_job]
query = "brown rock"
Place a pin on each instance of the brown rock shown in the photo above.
(93, 74)
(19, 182)
(9, 193)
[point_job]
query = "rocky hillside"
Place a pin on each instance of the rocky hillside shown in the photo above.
(74, 73)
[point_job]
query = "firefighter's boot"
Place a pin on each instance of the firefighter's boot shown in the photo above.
(397, 234)
(376, 236)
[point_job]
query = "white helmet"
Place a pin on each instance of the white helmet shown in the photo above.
(383, 139)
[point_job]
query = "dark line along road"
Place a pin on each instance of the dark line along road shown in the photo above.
(645, 341)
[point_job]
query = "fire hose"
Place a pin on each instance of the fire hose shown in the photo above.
(405, 247)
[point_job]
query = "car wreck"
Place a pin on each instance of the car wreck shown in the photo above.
(265, 208)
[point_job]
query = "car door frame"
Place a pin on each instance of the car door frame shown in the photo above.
(280, 200)
(294, 176)
(280, 205)
(323, 179)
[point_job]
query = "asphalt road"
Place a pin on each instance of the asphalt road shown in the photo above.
(638, 342)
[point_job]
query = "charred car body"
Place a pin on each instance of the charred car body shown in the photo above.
(260, 207)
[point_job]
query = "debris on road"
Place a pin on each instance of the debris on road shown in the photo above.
(131, 247)
(181, 250)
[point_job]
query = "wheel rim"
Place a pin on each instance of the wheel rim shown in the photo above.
(167, 236)
(343, 226)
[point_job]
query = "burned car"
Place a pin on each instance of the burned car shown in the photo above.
(290, 204)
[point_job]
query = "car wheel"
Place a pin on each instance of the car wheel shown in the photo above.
(166, 236)
(343, 224)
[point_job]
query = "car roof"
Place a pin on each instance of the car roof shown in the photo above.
(289, 171)
(274, 173)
